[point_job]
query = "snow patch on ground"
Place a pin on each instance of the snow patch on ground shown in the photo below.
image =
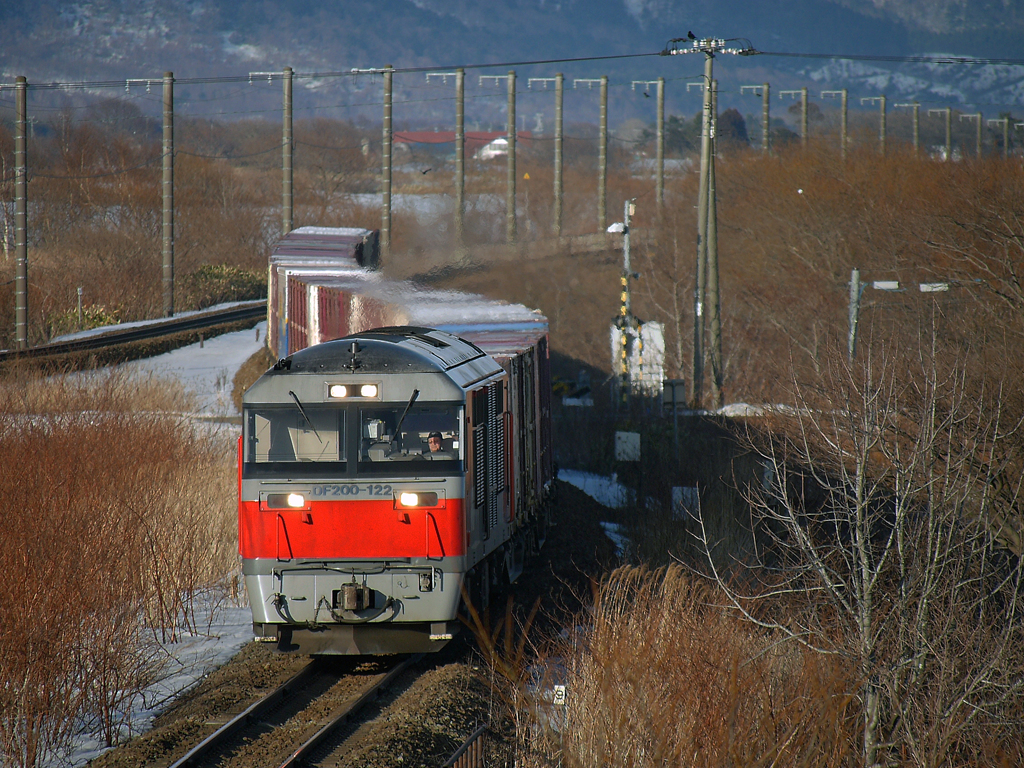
(606, 490)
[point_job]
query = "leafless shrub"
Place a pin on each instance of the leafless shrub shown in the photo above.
(117, 520)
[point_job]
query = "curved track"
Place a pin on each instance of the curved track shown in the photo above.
(250, 310)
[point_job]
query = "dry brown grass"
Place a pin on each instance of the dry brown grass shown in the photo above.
(118, 526)
(661, 673)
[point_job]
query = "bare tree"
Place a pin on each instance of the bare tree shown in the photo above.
(877, 512)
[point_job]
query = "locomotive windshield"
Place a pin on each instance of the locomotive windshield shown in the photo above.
(289, 434)
(424, 435)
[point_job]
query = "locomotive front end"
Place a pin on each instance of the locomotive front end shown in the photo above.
(352, 479)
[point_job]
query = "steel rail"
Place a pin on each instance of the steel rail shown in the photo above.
(301, 754)
(226, 732)
(248, 311)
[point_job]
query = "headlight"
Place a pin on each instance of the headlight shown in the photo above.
(342, 391)
(420, 499)
(338, 390)
(285, 501)
(368, 390)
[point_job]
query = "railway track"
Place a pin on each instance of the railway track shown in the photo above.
(117, 336)
(302, 722)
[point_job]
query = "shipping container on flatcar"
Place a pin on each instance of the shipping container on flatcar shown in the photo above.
(327, 250)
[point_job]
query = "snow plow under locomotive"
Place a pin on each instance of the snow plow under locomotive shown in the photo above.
(387, 471)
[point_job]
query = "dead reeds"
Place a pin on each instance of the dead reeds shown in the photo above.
(117, 529)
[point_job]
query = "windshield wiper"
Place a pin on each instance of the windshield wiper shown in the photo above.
(303, 412)
(398, 429)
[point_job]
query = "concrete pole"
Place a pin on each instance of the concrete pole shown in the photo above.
(844, 137)
(287, 156)
(385, 171)
(460, 155)
(713, 298)
(702, 239)
(1006, 137)
(949, 134)
(803, 116)
(659, 183)
(168, 195)
(766, 120)
(20, 213)
(881, 126)
(854, 312)
(510, 191)
(602, 160)
(917, 128)
(559, 96)
(977, 142)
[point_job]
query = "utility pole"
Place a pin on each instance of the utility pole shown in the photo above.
(917, 123)
(979, 122)
(602, 148)
(843, 136)
(602, 160)
(626, 322)
(385, 171)
(659, 171)
(510, 190)
(559, 82)
(764, 91)
(459, 76)
(854, 312)
(713, 296)
(706, 211)
(168, 194)
(949, 129)
(460, 156)
(20, 213)
(1005, 122)
(287, 155)
(881, 125)
(559, 98)
(802, 93)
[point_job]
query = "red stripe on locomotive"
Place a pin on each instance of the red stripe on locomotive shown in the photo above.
(343, 530)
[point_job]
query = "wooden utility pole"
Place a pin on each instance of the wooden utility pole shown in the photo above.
(168, 194)
(20, 213)
(659, 184)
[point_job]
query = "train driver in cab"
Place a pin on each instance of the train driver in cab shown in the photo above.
(435, 442)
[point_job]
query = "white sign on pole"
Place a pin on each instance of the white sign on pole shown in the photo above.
(627, 446)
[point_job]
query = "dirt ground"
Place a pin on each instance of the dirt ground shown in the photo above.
(424, 722)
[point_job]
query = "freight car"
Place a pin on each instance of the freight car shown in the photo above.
(396, 458)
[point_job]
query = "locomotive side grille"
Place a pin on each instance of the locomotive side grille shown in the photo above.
(479, 464)
(494, 454)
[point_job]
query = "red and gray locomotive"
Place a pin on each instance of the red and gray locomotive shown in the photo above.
(386, 473)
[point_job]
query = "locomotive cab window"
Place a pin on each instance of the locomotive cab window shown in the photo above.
(290, 434)
(429, 436)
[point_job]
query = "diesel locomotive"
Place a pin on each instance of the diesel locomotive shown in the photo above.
(390, 473)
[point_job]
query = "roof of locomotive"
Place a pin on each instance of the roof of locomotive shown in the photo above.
(336, 245)
(402, 349)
